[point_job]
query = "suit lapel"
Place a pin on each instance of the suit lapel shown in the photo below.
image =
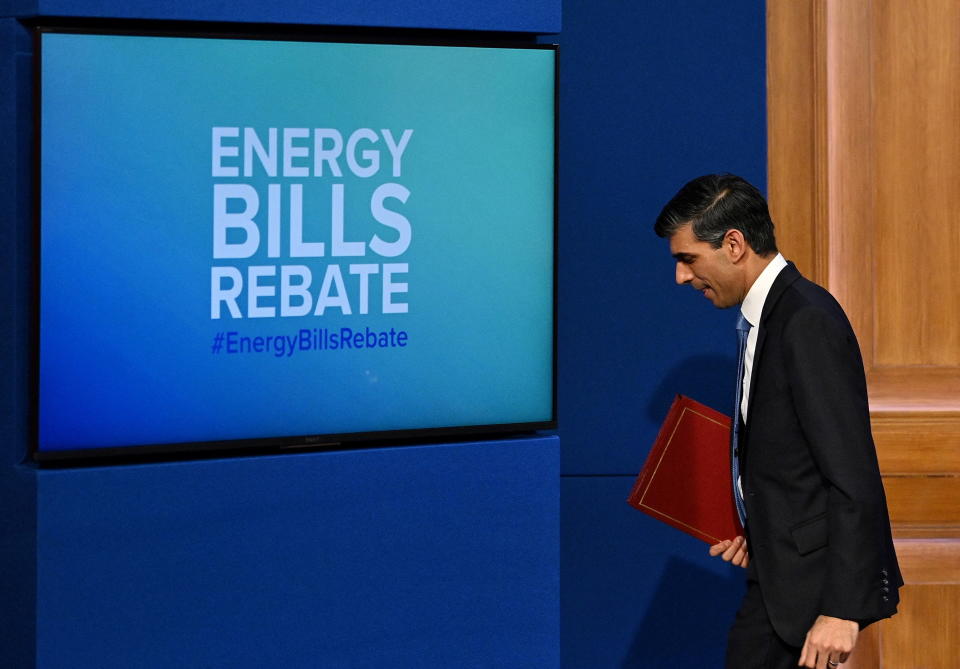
(787, 276)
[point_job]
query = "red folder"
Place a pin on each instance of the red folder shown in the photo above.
(686, 481)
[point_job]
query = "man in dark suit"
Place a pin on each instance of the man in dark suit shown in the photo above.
(821, 563)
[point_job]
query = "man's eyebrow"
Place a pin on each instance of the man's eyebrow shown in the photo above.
(681, 256)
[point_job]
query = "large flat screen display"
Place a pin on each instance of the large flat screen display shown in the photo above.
(260, 241)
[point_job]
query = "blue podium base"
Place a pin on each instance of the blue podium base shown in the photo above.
(425, 556)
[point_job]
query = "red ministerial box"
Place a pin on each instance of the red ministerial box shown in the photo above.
(686, 481)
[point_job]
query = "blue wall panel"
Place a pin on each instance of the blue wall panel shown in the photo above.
(435, 556)
(636, 592)
(17, 485)
(16, 231)
(534, 16)
(652, 95)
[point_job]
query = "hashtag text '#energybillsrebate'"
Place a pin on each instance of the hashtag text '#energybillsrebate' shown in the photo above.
(231, 342)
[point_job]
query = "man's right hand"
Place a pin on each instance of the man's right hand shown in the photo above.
(732, 550)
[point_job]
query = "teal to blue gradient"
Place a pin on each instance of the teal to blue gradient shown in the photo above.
(127, 231)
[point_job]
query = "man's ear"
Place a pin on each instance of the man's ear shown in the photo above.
(735, 245)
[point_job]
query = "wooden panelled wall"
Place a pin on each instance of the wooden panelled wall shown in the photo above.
(864, 184)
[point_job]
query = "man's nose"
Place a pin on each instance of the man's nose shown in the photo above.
(684, 275)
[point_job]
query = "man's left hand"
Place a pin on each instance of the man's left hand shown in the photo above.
(733, 551)
(829, 643)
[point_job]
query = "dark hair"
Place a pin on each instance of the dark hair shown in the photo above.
(715, 203)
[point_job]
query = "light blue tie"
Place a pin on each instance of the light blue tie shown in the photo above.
(743, 331)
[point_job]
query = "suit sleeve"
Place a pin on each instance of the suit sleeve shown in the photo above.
(830, 397)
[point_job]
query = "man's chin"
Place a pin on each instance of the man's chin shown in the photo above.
(717, 301)
(713, 297)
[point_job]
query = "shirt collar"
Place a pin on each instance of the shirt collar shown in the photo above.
(752, 307)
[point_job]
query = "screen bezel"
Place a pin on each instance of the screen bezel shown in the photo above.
(273, 445)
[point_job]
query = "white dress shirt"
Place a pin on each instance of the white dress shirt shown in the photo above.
(752, 309)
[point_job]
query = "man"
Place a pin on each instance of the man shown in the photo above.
(820, 564)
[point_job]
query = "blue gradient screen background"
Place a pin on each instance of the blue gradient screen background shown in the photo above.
(127, 336)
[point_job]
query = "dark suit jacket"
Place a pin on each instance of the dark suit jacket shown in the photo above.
(817, 522)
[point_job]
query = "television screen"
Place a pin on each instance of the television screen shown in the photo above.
(251, 241)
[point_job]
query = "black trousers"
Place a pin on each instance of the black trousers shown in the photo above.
(753, 643)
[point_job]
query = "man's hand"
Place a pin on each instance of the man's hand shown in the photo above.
(732, 550)
(829, 642)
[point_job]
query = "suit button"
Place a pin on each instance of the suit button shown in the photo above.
(751, 493)
(883, 572)
(884, 590)
(886, 599)
(884, 581)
